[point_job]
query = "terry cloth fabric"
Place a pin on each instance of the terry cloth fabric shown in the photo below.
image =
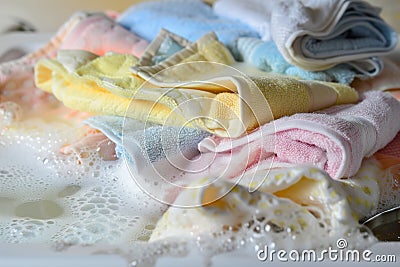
(255, 13)
(234, 103)
(198, 92)
(317, 35)
(190, 19)
(388, 79)
(298, 201)
(146, 144)
(85, 82)
(162, 47)
(100, 34)
(81, 31)
(266, 57)
(335, 139)
(104, 85)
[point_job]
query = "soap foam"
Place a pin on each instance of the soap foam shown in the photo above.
(51, 198)
(101, 204)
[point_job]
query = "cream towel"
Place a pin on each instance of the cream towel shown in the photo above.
(298, 201)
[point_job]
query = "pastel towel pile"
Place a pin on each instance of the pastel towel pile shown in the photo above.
(234, 103)
(190, 19)
(263, 55)
(194, 87)
(266, 57)
(145, 144)
(335, 140)
(317, 35)
(96, 33)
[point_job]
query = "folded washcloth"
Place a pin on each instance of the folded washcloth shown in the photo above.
(266, 57)
(189, 18)
(388, 79)
(317, 35)
(148, 145)
(335, 139)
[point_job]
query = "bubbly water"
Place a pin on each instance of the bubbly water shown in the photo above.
(54, 199)
(46, 197)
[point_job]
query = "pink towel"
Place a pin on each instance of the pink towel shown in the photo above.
(393, 148)
(96, 33)
(100, 34)
(335, 139)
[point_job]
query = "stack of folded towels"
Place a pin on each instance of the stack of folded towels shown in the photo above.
(189, 91)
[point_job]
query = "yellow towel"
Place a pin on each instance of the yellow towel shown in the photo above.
(194, 87)
(101, 86)
(232, 105)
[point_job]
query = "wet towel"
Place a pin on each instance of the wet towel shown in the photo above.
(284, 205)
(223, 204)
(316, 35)
(266, 57)
(335, 139)
(146, 144)
(190, 19)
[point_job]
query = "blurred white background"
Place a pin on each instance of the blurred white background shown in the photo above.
(49, 15)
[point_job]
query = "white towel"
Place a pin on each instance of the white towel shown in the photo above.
(255, 13)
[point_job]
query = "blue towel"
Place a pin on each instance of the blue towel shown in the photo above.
(360, 30)
(317, 35)
(167, 48)
(265, 56)
(146, 142)
(190, 19)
